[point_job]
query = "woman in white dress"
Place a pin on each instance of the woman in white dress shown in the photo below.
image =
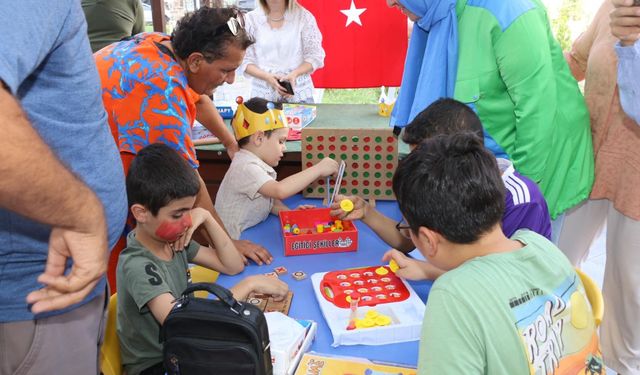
(288, 48)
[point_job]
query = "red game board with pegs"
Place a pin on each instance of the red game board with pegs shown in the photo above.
(376, 285)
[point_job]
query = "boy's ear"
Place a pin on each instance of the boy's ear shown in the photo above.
(140, 213)
(428, 241)
(258, 137)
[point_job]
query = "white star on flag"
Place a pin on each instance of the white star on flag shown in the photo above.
(353, 14)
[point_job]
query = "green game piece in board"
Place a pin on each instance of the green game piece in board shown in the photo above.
(388, 192)
(343, 138)
(320, 190)
(354, 191)
(343, 191)
(309, 156)
(365, 191)
(309, 190)
(378, 139)
(389, 157)
(354, 174)
(354, 138)
(355, 156)
(321, 156)
(332, 156)
(378, 157)
(389, 174)
(309, 139)
(343, 156)
(366, 156)
(366, 174)
(378, 175)
(376, 192)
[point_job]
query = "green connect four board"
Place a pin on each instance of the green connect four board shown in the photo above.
(371, 157)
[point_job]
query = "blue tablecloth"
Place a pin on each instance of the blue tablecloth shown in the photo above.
(304, 304)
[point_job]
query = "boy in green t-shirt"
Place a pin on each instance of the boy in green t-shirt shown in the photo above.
(152, 272)
(504, 306)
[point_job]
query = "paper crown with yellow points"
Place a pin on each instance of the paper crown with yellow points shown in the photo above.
(246, 122)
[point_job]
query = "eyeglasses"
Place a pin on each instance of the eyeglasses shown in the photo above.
(234, 24)
(404, 229)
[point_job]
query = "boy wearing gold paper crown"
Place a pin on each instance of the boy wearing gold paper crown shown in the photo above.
(249, 190)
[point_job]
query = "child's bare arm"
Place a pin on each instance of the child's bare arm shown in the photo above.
(161, 305)
(295, 183)
(223, 257)
(412, 269)
(384, 226)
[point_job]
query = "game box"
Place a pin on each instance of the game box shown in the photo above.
(314, 231)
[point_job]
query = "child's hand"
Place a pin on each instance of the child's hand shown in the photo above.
(198, 217)
(359, 208)
(305, 207)
(268, 285)
(327, 167)
(412, 269)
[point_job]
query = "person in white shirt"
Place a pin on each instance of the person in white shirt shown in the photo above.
(288, 48)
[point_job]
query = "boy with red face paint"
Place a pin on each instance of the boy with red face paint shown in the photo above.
(154, 268)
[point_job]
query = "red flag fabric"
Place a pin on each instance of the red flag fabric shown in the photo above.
(365, 43)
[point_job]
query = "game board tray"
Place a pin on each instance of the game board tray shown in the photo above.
(376, 285)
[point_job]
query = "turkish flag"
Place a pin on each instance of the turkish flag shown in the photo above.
(365, 43)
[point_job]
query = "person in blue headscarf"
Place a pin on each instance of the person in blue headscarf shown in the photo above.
(500, 58)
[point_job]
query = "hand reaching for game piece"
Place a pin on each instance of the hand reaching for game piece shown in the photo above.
(412, 269)
(358, 212)
(262, 284)
(327, 167)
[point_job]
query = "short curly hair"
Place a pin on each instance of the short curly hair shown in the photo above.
(206, 31)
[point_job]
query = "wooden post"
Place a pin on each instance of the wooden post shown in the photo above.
(157, 12)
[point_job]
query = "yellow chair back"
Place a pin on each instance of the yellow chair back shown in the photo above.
(201, 274)
(594, 295)
(110, 361)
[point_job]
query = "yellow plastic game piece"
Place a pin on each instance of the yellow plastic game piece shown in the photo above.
(382, 320)
(382, 271)
(320, 228)
(338, 225)
(393, 266)
(348, 299)
(367, 323)
(579, 311)
(371, 314)
(346, 205)
(295, 229)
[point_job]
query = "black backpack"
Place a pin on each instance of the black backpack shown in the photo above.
(207, 336)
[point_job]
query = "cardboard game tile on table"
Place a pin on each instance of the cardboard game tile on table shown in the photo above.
(266, 303)
(371, 157)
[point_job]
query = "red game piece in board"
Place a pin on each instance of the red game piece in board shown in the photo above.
(374, 289)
